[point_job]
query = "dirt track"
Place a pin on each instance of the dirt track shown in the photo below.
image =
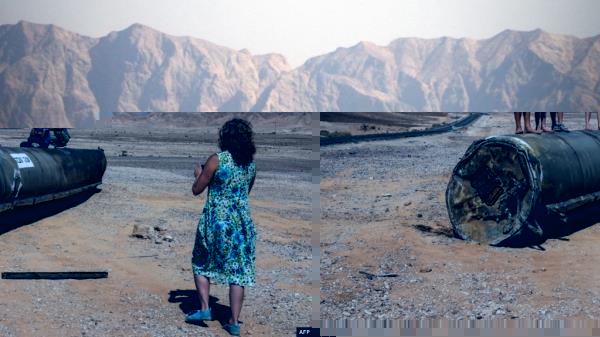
(383, 211)
(150, 284)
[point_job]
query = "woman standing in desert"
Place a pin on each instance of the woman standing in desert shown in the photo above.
(224, 249)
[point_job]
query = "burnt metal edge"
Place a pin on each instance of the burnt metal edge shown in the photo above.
(524, 149)
(456, 125)
(563, 207)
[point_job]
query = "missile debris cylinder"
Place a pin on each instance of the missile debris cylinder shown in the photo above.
(504, 185)
(32, 175)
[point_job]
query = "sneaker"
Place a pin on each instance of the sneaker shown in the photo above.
(233, 329)
(198, 315)
(556, 128)
(563, 128)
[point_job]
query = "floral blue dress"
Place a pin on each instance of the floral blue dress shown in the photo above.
(225, 241)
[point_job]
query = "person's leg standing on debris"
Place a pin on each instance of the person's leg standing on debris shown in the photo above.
(588, 116)
(558, 122)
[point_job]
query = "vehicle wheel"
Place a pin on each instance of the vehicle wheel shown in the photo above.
(25, 144)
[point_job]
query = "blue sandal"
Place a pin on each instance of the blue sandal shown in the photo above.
(198, 315)
(233, 329)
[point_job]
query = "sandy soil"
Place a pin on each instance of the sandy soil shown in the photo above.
(150, 285)
(383, 211)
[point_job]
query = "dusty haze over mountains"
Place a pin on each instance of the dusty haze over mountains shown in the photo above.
(53, 77)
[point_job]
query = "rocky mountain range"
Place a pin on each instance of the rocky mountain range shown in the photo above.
(53, 77)
(512, 71)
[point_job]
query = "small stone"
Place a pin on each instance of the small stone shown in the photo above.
(425, 270)
(140, 232)
(419, 215)
(160, 228)
(168, 238)
(408, 203)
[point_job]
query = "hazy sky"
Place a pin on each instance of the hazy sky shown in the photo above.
(300, 29)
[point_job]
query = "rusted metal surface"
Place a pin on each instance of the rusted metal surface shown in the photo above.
(505, 185)
(30, 175)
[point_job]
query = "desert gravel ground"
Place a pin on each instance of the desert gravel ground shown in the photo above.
(150, 285)
(383, 212)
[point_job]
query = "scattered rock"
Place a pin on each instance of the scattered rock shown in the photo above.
(425, 270)
(140, 232)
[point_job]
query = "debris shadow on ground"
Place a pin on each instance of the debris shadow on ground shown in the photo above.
(556, 229)
(26, 215)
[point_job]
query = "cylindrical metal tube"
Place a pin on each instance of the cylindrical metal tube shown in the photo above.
(505, 184)
(31, 175)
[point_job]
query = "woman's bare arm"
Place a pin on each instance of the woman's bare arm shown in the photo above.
(203, 176)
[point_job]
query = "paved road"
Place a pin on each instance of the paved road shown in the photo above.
(461, 123)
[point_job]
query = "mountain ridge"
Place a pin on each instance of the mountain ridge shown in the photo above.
(50, 76)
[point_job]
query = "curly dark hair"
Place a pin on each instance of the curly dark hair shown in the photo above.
(236, 137)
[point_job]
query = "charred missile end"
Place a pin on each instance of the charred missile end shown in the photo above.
(492, 190)
(506, 184)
